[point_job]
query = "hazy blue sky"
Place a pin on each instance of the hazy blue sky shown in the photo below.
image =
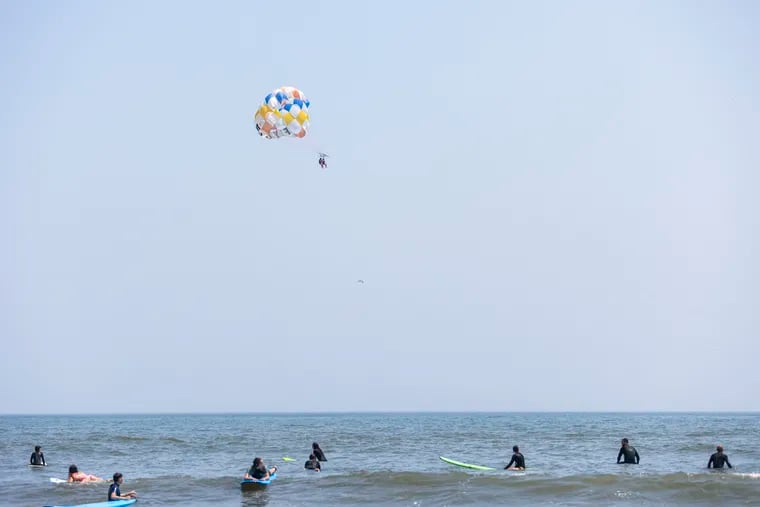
(554, 206)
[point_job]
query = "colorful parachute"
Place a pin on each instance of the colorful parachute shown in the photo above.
(284, 113)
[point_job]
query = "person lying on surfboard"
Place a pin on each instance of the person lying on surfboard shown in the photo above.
(76, 476)
(318, 452)
(312, 463)
(37, 457)
(518, 460)
(259, 470)
(114, 492)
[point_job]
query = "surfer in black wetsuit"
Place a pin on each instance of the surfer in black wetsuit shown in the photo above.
(628, 453)
(518, 460)
(318, 452)
(114, 490)
(718, 459)
(37, 457)
(259, 470)
(312, 463)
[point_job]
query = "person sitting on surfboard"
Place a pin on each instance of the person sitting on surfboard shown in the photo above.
(518, 460)
(76, 476)
(628, 453)
(114, 493)
(312, 463)
(259, 470)
(37, 457)
(318, 452)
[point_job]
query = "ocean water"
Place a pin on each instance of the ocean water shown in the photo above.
(386, 459)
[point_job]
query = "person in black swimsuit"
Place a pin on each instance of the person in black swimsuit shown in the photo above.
(259, 470)
(718, 459)
(318, 452)
(37, 457)
(312, 463)
(628, 453)
(114, 490)
(518, 460)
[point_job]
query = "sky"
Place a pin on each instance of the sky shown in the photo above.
(552, 205)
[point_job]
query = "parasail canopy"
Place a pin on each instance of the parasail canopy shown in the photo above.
(284, 113)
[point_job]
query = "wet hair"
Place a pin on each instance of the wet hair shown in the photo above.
(117, 476)
(625, 440)
(257, 461)
(37, 448)
(515, 449)
(719, 448)
(73, 469)
(311, 456)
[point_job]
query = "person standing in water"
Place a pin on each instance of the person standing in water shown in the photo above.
(114, 492)
(518, 460)
(318, 452)
(37, 457)
(628, 453)
(718, 459)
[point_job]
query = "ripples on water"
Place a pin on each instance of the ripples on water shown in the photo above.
(386, 459)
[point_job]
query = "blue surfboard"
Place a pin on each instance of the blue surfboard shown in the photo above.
(115, 503)
(248, 483)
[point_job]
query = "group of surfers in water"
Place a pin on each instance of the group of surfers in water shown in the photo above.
(628, 454)
(260, 472)
(114, 489)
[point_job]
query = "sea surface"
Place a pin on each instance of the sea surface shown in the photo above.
(386, 459)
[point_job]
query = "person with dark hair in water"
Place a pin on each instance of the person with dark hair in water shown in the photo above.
(518, 460)
(318, 452)
(114, 492)
(628, 453)
(37, 457)
(76, 476)
(259, 470)
(718, 459)
(312, 463)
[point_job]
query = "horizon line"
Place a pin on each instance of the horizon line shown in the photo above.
(380, 412)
